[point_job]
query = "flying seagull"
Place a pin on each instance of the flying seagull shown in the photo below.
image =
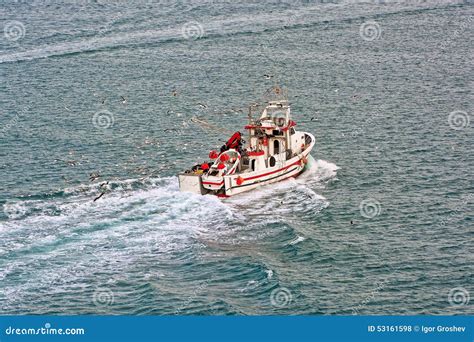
(103, 188)
(93, 176)
(102, 194)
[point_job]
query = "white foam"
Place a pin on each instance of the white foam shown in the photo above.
(319, 171)
(297, 240)
(269, 274)
(154, 215)
(158, 210)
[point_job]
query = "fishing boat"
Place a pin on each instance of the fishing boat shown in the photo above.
(274, 151)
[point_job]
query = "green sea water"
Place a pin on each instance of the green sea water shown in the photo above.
(381, 223)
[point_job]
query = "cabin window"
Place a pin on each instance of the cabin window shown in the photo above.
(272, 161)
(277, 132)
(276, 147)
(252, 164)
(292, 131)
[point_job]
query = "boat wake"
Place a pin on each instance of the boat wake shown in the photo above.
(66, 240)
(158, 202)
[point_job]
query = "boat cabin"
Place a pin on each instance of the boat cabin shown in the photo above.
(271, 138)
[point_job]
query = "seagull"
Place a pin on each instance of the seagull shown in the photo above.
(267, 76)
(66, 108)
(101, 194)
(103, 184)
(94, 176)
(103, 189)
(103, 100)
(174, 92)
(202, 105)
(124, 100)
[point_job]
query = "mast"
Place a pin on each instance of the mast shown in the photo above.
(288, 132)
(250, 122)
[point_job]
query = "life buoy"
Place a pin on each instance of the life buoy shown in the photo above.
(224, 157)
(213, 154)
(240, 180)
(221, 166)
(205, 166)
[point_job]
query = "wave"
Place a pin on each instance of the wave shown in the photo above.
(234, 25)
(66, 244)
(158, 201)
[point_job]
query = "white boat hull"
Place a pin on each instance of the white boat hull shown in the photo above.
(255, 179)
(244, 181)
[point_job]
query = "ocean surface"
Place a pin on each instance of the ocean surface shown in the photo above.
(90, 93)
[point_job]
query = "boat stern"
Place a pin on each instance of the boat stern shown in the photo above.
(189, 182)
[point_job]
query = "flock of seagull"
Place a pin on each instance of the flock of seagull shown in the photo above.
(145, 170)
